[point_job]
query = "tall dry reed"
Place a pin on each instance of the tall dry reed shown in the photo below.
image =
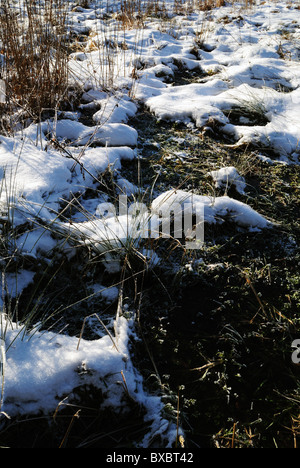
(34, 54)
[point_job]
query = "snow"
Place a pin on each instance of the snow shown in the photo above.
(227, 176)
(189, 102)
(2, 91)
(241, 64)
(14, 283)
(245, 64)
(43, 369)
(38, 177)
(204, 103)
(115, 109)
(110, 134)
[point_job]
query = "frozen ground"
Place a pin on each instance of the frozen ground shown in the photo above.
(247, 63)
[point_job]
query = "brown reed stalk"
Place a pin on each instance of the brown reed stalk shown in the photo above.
(33, 44)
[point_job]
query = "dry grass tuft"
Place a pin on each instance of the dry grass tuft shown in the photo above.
(205, 5)
(34, 54)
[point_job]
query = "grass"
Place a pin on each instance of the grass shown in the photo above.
(35, 52)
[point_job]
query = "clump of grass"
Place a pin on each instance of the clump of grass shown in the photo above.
(35, 62)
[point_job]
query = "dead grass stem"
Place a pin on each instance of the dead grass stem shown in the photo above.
(33, 43)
